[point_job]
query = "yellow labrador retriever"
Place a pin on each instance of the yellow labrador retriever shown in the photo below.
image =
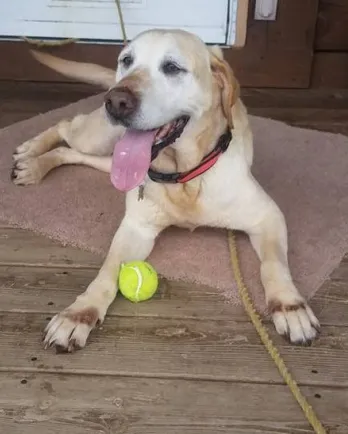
(183, 155)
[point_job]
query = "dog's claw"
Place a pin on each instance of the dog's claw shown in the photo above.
(13, 172)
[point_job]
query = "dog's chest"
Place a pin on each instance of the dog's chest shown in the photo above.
(211, 207)
(209, 200)
(208, 211)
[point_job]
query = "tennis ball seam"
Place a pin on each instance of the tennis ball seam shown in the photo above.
(140, 281)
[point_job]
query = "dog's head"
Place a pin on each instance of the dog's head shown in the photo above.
(163, 76)
(165, 81)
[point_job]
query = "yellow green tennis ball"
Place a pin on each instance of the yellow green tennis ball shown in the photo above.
(137, 281)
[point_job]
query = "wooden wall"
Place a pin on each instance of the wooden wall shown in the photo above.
(330, 63)
(277, 53)
(306, 47)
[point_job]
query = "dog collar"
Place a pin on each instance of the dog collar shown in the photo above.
(208, 161)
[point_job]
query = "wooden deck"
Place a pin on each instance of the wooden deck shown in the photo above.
(182, 363)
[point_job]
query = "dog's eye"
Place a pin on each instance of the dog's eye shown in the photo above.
(127, 61)
(171, 68)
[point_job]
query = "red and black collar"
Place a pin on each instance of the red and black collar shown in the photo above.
(208, 161)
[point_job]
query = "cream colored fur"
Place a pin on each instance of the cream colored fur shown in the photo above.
(226, 196)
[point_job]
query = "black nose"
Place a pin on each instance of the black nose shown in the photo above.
(121, 103)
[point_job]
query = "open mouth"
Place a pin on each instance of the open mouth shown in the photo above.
(171, 129)
(134, 152)
(168, 134)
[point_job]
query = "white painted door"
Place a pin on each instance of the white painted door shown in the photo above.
(97, 20)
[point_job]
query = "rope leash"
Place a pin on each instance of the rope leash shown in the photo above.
(267, 342)
(49, 43)
(61, 42)
(120, 15)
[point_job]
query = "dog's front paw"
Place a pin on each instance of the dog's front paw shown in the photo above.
(68, 331)
(294, 320)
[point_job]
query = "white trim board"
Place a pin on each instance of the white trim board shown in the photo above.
(215, 21)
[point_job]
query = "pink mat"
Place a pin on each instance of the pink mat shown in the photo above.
(305, 171)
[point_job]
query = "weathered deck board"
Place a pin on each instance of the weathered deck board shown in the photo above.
(114, 405)
(29, 289)
(59, 427)
(22, 246)
(80, 427)
(167, 348)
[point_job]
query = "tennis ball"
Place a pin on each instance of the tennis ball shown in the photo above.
(137, 281)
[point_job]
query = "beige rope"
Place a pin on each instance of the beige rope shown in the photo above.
(267, 342)
(48, 43)
(123, 27)
(60, 42)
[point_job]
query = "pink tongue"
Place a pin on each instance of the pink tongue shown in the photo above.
(132, 159)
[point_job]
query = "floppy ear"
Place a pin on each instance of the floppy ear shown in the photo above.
(228, 83)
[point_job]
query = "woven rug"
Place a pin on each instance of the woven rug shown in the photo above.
(305, 171)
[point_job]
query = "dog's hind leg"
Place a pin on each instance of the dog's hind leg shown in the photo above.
(90, 133)
(90, 139)
(40, 144)
(32, 170)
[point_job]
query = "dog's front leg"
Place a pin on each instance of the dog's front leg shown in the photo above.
(69, 329)
(290, 313)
